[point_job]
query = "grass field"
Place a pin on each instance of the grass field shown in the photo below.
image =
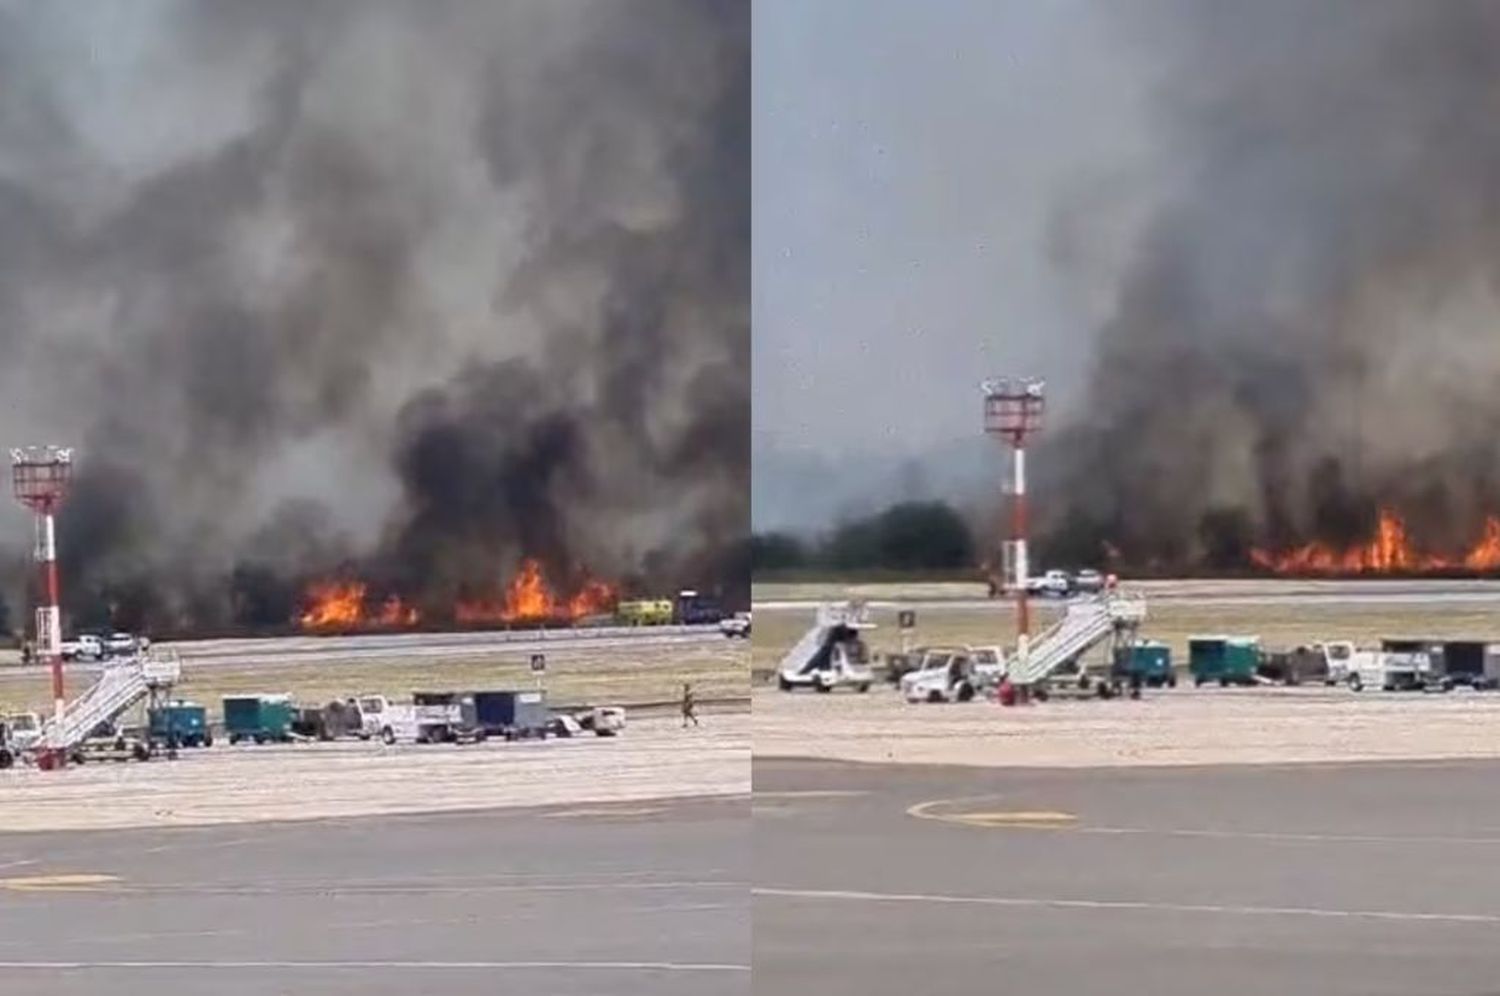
(717, 668)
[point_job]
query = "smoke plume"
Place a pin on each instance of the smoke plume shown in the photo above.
(1305, 331)
(412, 289)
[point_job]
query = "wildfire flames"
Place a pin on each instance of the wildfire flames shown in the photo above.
(528, 598)
(1390, 550)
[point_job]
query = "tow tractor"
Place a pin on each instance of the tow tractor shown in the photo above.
(831, 653)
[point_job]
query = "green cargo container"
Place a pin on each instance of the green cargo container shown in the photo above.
(179, 722)
(1149, 661)
(1229, 660)
(258, 717)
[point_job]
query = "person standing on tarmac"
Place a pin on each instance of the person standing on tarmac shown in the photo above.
(688, 705)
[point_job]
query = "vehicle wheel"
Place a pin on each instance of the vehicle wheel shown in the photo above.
(822, 687)
(480, 736)
(1041, 694)
(1356, 683)
(1105, 692)
(208, 740)
(965, 692)
(934, 696)
(1172, 681)
(234, 738)
(7, 759)
(1197, 681)
(1223, 682)
(140, 753)
(786, 686)
(387, 736)
(260, 738)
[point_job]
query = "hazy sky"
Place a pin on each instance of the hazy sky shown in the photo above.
(938, 191)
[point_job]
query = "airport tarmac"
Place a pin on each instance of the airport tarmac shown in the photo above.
(1368, 879)
(644, 897)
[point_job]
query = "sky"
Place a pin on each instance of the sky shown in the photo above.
(940, 192)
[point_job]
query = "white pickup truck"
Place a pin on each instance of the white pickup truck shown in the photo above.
(1054, 583)
(84, 647)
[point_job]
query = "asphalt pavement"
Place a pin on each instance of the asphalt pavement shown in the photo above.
(640, 898)
(1376, 880)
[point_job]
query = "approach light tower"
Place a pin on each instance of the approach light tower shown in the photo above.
(1013, 411)
(42, 476)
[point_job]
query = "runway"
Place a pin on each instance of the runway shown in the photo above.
(313, 650)
(1355, 879)
(638, 898)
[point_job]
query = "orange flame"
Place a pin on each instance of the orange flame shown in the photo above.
(1389, 550)
(529, 598)
(333, 604)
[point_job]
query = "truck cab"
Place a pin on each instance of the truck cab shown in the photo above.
(24, 730)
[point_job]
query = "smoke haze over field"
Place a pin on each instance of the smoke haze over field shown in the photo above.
(1261, 277)
(425, 286)
(1306, 329)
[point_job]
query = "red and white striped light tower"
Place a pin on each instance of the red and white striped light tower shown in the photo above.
(1013, 411)
(42, 476)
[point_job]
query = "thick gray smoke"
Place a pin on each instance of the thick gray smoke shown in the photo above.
(1307, 328)
(418, 288)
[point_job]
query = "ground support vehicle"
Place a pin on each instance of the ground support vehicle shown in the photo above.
(512, 714)
(603, 721)
(831, 654)
(430, 718)
(736, 625)
(178, 724)
(952, 674)
(259, 718)
(1147, 662)
(1229, 660)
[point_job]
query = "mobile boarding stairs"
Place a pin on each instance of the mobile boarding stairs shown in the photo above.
(122, 683)
(1084, 625)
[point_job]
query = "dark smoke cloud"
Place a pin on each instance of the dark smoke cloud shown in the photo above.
(411, 288)
(1306, 328)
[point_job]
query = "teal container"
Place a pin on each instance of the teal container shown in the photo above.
(1149, 661)
(1229, 660)
(260, 718)
(185, 723)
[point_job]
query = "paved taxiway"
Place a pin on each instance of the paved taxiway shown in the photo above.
(648, 897)
(1356, 879)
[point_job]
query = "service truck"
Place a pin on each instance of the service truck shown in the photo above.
(428, 719)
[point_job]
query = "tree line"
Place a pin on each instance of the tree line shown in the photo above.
(910, 536)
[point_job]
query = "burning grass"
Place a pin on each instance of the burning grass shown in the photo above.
(345, 605)
(1390, 550)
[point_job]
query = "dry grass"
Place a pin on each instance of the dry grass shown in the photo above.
(718, 668)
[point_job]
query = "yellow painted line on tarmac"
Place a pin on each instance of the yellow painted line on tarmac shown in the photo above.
(57, 883)
(965, 812)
